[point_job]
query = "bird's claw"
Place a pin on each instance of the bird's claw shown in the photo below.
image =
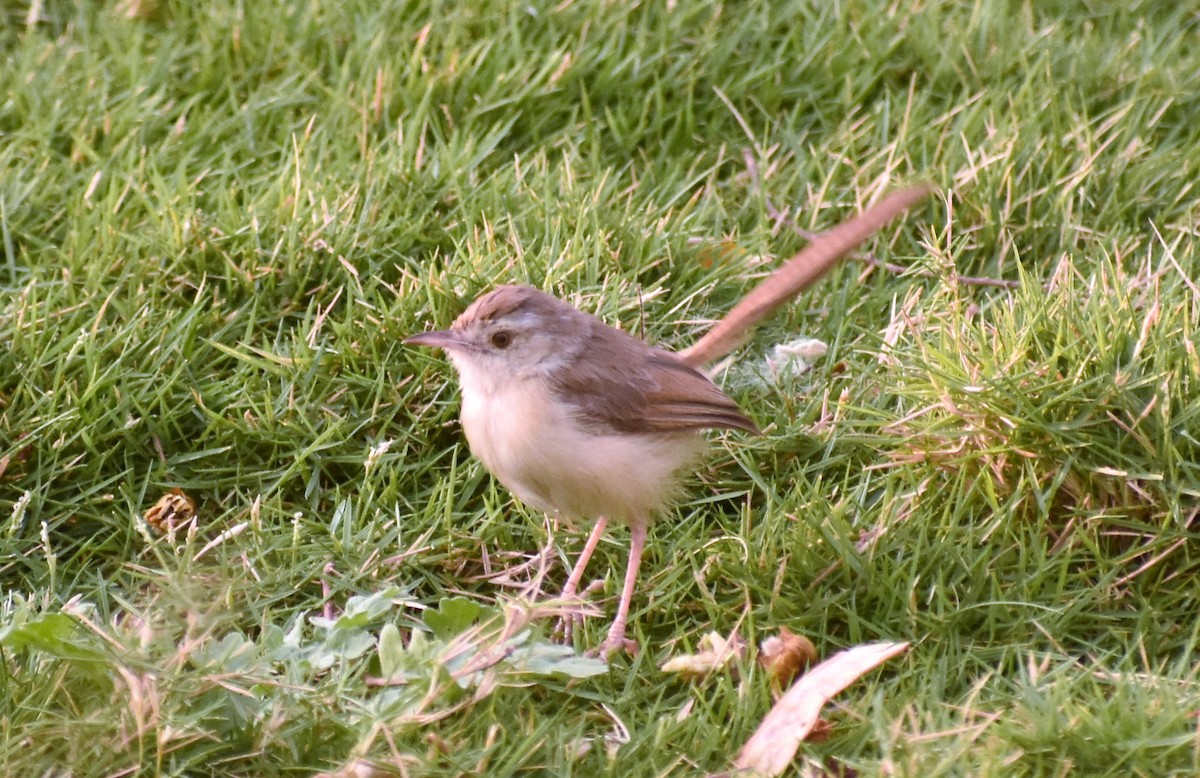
(568, 623)
(612, 645)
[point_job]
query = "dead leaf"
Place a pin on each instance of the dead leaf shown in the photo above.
(822, 730)
(786, 655)
(715, 652)
(172, 509)
(771, 748)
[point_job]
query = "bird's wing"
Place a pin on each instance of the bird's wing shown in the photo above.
(651, 391)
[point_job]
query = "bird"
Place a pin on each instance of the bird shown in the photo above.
(586, 421)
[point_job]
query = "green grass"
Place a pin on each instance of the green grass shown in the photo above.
(217, 223)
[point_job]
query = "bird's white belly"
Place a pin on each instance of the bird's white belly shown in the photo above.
(533, 444)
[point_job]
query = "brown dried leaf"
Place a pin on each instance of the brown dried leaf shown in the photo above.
(771, 748)
(786, 655)
(715, 652)
(172, 509)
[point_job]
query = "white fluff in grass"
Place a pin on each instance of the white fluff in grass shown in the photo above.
(375, 453)
(788, 360)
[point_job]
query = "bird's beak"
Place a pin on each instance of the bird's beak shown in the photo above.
(438, 339)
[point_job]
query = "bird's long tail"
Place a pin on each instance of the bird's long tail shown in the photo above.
(798, 273)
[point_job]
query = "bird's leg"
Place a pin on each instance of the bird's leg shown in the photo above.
(573, 618)
(616, 640)
(576, 576)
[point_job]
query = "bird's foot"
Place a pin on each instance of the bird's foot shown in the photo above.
(568, 623)
(615, 643)
(574, 612)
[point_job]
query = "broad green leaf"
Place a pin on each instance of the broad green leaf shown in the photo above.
(56, 634)
(454, 616)
(361, 610)
(553, 659)
(391, 650)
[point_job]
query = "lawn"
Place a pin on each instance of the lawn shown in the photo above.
(218, 222)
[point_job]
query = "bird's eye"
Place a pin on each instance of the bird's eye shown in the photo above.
(502, 339)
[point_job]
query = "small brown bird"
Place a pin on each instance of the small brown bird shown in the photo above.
(578, 418)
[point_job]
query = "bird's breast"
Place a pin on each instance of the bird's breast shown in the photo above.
(531, 441)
